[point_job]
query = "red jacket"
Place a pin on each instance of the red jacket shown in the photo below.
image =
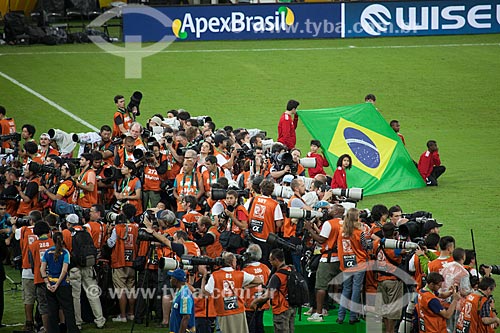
(339, 179)
(427, 161)
(286, 130)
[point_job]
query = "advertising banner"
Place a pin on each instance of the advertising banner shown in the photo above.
(421, 18)
(239, 22)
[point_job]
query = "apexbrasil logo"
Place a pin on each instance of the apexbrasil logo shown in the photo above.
(237, 22)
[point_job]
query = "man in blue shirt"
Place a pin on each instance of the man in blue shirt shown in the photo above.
(182, 316)
(5, 225)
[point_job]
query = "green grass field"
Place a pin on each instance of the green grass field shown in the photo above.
(443, 88)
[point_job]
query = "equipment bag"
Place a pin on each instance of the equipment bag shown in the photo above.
(84, 253)
(298, 291)
(55, 36)
(15, 26)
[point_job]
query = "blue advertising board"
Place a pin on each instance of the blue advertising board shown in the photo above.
(237, 22)
(421, 18)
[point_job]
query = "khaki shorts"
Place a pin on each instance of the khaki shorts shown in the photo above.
(124, 278)
(389, 299)
(41, 297)
(325, 273)
(29, 294)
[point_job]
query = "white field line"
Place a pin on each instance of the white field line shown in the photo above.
(350, 47)
(48, 101)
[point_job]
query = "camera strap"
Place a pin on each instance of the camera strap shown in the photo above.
(388, 258)
(123, 185)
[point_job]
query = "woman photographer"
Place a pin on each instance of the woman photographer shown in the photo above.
(353, 246)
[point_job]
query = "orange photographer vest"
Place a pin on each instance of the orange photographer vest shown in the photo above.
(351, 253)
(27, 238)
(329, 247)
(125, 248)
(261, 217)
(469, 320)
(428, 321)
(37, 250)
(227, 292)
(262, 271)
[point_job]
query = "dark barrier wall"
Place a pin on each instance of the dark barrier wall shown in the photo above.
(326, 20)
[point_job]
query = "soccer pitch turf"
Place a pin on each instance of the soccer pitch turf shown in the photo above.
(443, 88)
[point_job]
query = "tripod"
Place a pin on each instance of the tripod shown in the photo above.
(144, 295)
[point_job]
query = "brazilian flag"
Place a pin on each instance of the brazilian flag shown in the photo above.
(380, 161)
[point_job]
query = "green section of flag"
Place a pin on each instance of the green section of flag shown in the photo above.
(380, 161)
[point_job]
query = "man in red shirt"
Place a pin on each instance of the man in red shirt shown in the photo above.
(429, 165)
(288, 124)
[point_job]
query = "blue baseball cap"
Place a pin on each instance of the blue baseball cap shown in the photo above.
(178, 274)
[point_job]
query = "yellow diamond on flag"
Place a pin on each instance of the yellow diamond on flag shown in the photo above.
(369, 150)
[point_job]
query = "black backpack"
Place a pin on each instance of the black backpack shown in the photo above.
(298, 292)
(84, 253)
(15, 26)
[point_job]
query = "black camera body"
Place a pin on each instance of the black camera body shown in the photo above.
(495, 269)
(143, 235)
(135, 101)
(12, 136)
(21, 183)
(414, 228)
(41, 169)
(191, 227)
(111, 174)
(22, 222)
(278, 242)
(112, 217)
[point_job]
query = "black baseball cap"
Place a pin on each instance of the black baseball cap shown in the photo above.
(431, 224)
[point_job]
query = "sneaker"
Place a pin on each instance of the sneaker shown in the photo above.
(130, 317)
(316, 317)
(29, 326)
(353, 321)
(120, 319)
(324, 313)
(309, 312)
